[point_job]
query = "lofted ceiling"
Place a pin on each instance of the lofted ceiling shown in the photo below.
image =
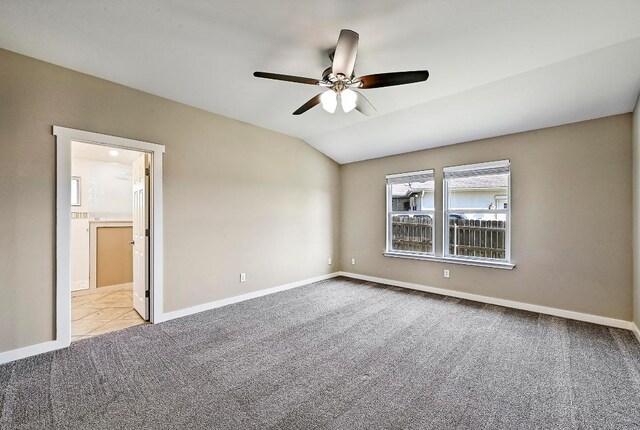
(496, 66)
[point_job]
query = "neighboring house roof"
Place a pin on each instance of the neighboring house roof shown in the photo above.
(403, 190)
(470, 183)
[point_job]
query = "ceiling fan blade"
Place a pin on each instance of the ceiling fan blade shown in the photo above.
(308, 105)
(288, 78)
(391, 79)
(344, 57)
(364, 106)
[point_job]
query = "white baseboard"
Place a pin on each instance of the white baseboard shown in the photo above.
(611, 322)
(235, 299)
(636, 331)
(28, 351)
(80, 285)
(43, 347)
(110, 288)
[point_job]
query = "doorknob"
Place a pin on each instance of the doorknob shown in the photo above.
(133, 242)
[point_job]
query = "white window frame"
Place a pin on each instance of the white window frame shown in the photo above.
(408, 176)
(479, 168)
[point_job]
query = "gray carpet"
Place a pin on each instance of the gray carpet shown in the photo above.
(337, 354)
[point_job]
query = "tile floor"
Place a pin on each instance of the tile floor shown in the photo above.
(94, 313)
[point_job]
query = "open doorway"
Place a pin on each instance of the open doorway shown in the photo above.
(109, 239)
(144, 218)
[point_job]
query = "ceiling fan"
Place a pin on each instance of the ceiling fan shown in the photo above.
(341, 80)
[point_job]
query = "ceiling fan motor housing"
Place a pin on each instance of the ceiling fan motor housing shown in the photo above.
(328, 76)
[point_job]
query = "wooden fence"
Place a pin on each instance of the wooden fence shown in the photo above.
(474, 238)
(477, 238)
(412, 233)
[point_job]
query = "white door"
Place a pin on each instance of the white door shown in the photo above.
(141, 236)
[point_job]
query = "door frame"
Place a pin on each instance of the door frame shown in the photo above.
(64, 137)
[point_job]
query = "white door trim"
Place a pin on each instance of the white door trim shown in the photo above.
(64, 137)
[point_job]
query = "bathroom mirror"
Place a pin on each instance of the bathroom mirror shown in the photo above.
(76, 191)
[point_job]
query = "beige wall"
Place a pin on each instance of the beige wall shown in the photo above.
(238, 198)
(636, 212)
(571, 235)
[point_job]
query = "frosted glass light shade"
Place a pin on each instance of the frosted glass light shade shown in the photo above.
(348, 98)
(329, 101)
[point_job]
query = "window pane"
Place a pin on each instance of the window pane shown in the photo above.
(412, 233)
(477, 235)
(479, 192)
(412, 196)
(75, 192)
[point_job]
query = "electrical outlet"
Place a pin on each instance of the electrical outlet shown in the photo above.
(353, 261)
(243, 277)
(329, 261)
(446, 273)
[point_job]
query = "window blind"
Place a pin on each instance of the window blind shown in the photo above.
(479, 169)
(404, 178)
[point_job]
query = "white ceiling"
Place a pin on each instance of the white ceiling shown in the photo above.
(89, 151)
(497, 66)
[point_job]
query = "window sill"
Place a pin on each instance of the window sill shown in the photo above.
(451, 260)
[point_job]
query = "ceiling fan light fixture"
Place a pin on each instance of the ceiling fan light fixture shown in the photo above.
(329, 101)
(348, 100)
(340, 76)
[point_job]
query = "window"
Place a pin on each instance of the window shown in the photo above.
(410, 212)
(477, 210)
(76, 191)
